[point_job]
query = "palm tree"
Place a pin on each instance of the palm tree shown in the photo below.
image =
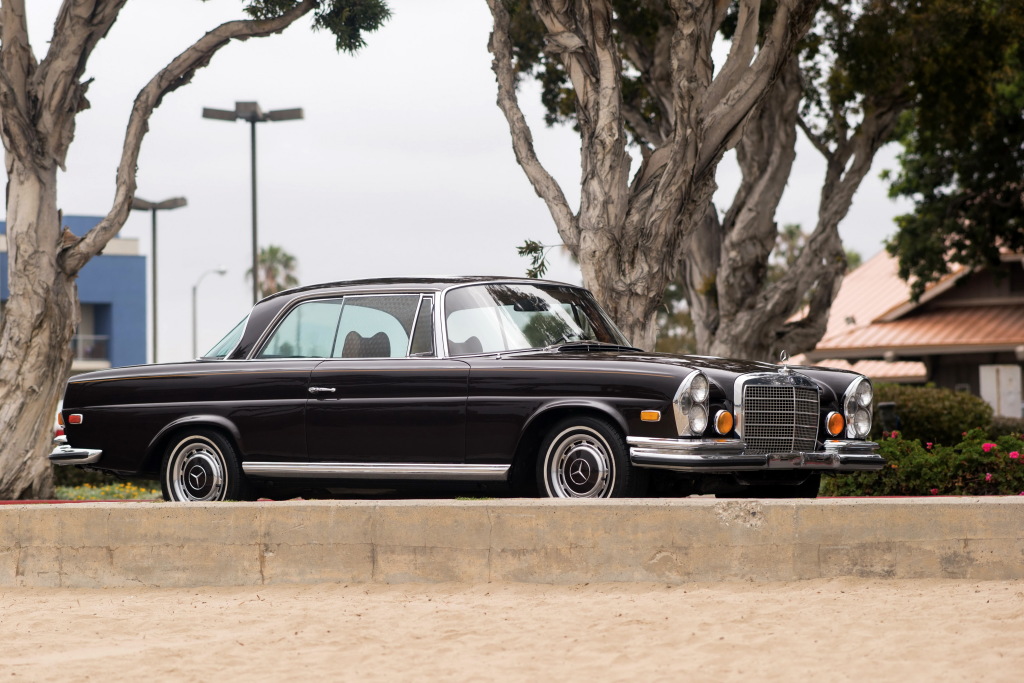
(277, 270)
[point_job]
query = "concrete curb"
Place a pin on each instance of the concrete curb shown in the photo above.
(531, 541)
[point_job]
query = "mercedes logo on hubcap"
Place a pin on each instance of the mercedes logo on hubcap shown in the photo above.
(579, 471)
(197, 477)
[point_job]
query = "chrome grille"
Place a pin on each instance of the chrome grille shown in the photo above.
(779, 418)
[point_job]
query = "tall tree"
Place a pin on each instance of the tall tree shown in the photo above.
(859, 67)
(631, 236)
(276, 270)
(963, 151)
(39, 101)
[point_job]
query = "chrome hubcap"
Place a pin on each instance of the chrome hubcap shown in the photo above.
(580, 465)
(196, 470)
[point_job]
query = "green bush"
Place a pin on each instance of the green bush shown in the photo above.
(976, 466)
(931, 414)
(1006, 426)
(67, 476)
(118, 491)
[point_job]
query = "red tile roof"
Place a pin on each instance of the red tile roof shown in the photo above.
(873, 314)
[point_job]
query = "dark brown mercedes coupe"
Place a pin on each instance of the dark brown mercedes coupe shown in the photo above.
(495, 383)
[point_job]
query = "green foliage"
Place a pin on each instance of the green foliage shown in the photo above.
(1004, 426)
(932, 414)
(963, 158)
(538, 255)
(277, 270)
(347, 20)
(976, 466)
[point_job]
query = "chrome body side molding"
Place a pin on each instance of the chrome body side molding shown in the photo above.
(359, 470)
(729, 455)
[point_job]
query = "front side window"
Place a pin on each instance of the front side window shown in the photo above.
(353, 327)
(308, 331)
(508, 317)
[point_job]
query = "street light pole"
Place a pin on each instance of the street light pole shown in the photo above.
(195, 288)
(143, 205)
(251, 112)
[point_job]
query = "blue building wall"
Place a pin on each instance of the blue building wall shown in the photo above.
(116, 286)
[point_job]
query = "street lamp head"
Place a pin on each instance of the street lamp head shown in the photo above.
(251, 112)
(172, 203)
(220, 114)
(284, 115)
(221, 271)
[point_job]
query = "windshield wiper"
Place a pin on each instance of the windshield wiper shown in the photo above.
(588, 345)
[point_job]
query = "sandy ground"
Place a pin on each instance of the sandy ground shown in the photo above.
(838, 630)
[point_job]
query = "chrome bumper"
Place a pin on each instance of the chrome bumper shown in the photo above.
(64, 454)
(727, 455)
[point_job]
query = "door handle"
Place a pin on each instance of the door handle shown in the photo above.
(321, 390)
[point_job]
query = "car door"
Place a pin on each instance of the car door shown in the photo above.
(384, 397)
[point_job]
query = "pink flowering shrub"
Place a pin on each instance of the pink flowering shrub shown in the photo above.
(976, 466)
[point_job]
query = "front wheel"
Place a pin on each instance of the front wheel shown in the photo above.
(586, 457)
(201, 465)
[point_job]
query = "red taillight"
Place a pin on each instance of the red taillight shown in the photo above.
(59, 431)
(75, 419)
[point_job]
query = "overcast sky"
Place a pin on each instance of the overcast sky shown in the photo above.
(403, 164)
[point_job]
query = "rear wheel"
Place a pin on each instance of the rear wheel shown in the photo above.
(586, 457)
(201, 465)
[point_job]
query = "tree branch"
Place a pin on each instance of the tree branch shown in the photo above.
(17, 64)
(544, 184)
(816, 140)
(176, 74)
(726, 114)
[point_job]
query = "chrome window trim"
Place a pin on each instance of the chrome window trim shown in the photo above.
(377, 470)
(264, 338)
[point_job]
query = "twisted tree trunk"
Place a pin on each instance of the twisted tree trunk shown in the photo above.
(631, 237)
(38, 105)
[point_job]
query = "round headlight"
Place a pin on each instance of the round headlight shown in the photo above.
(698, 419)
(864, 394)
(699, 389)
(862, 422)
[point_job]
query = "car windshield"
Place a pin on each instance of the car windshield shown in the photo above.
(228, 343)
(509, 317)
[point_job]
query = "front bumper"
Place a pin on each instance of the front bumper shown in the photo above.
(728, 455)
(63, 454)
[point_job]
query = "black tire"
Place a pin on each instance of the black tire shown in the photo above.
(587, 457)
(201, 465)
(806, 489)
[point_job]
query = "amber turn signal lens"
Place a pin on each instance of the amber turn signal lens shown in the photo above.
(650, 415)
(835, 423)
(723, 422)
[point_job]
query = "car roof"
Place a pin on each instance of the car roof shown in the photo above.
(419, 283)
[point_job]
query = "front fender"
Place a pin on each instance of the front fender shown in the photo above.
(589, 405)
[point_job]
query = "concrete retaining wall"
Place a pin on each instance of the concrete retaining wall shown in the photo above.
(675, 541)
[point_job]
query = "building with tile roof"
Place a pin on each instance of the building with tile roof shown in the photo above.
(966, 332)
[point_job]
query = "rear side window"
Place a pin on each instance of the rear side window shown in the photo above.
(376, 326)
